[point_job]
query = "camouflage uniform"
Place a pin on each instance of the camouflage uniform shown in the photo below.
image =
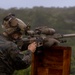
(11, 58)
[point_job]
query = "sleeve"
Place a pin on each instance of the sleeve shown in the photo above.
(20, 60)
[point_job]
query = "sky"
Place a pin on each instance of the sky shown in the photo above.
(6, 4)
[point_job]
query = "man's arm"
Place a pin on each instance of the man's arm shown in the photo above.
(21, 60)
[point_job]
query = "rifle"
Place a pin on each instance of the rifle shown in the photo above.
(44, 36)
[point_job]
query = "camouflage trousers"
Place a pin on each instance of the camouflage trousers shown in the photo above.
(3, 74)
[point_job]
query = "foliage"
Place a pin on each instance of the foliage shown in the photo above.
(23, 72)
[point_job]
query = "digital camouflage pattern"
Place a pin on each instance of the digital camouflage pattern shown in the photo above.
(11, 58)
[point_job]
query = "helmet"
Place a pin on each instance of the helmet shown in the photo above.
(12, 24)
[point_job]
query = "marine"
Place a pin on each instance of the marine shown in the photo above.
(11, 57)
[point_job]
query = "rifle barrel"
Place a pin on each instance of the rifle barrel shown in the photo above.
(68, 35)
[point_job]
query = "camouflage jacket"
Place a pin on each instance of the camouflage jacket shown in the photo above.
(11, 58)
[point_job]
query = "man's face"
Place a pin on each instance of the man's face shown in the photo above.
(16, 36)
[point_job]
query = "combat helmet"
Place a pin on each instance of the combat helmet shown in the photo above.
(12, 24)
